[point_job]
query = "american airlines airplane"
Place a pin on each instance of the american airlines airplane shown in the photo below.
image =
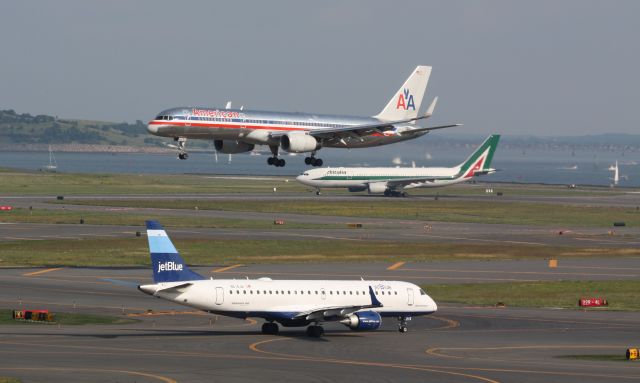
(391, 181)
(359, 305)
(238, 130)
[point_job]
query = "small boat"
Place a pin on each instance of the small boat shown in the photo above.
(52, 161)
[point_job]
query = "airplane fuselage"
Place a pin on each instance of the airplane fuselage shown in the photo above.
(257, 127)
(282, 300)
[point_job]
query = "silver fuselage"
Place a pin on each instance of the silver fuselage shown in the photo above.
(258, 127)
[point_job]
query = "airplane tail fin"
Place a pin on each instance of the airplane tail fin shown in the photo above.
(479, 162)
(406, 102)
(167, 264)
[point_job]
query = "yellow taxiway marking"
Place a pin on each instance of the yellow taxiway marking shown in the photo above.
(61, 369)
(396, 266)
(254, 347)
(41, 272)
(223, 269)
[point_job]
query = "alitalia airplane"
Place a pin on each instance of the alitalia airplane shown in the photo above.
(391, 181)
(359, 305)
(238, 130)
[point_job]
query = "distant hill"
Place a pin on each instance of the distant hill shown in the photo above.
(41, 129)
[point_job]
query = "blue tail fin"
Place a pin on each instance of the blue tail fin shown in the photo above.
(166, 262)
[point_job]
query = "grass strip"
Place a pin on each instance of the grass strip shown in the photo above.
(68, 319)
(515, 213)
(621, 295)
(134, 251)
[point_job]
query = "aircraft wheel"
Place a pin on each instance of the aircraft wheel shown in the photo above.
(308, 160)
(281, 162)
(315, 331)
(270, 328)
(386, 193)
(317, 162)
(270, 160)
(402, 329)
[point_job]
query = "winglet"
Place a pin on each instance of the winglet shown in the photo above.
(374, 301)
(429, 112)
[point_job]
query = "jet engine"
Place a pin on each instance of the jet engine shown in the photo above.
(232, 146)
(363, 321)
(299, 142)
(354, 189)
(377, 187)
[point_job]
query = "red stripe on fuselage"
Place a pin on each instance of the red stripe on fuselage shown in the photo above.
(226, 126)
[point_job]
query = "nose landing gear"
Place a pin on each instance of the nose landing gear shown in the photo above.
(182, 151)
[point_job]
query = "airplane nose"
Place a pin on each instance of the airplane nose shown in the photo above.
(153, 129)
(433, 305)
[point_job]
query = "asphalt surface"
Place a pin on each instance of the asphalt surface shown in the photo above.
(172, 343)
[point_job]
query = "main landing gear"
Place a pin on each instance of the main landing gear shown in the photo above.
(275, 161)
(394, 193)
(315, 331)
(270, 328)
(312, 160)
(402, 323)
(182, 151)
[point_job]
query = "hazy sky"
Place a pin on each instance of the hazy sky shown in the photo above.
(512, 67)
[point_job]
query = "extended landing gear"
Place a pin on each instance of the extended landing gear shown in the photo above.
(275, 161)
(402, 323)
(394, 193)
(270, 328)
(315, 331)
(318, 192)
(312, 160)
(182, 151)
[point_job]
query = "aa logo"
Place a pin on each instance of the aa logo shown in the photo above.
(405, 101)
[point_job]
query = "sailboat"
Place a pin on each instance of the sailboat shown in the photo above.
(52, 161)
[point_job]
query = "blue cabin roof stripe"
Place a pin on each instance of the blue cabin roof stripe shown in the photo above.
(154, 225)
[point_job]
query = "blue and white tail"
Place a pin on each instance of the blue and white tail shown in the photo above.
(167, 264)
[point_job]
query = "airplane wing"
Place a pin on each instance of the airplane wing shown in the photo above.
(329, 312)
(368, 129)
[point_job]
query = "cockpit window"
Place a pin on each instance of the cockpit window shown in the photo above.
(422, 292)
(305, 174)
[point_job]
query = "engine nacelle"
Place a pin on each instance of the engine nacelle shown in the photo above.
(377, 187)
(299, 142)
(232, 146)
(363, 321)
(354, 189)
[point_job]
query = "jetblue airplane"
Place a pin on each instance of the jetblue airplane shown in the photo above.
(238, 130)
(359, 305)
(391, 181)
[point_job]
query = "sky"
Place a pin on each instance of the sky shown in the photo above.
(511, 67)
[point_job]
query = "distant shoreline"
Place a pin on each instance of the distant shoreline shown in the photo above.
(85, 148)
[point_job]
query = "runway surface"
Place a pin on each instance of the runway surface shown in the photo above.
(171, 343)
(176, 344)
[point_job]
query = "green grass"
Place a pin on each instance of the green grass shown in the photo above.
(134, 251)
(516, 213)
(6, 379)
(621, 295)
(127, 218)
(39, 183)
(67, 184)
(68, 319)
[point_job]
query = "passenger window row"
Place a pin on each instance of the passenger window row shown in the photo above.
(309, 292)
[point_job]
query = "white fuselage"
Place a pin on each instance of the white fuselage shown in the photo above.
(362, 177)
(281, 299)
